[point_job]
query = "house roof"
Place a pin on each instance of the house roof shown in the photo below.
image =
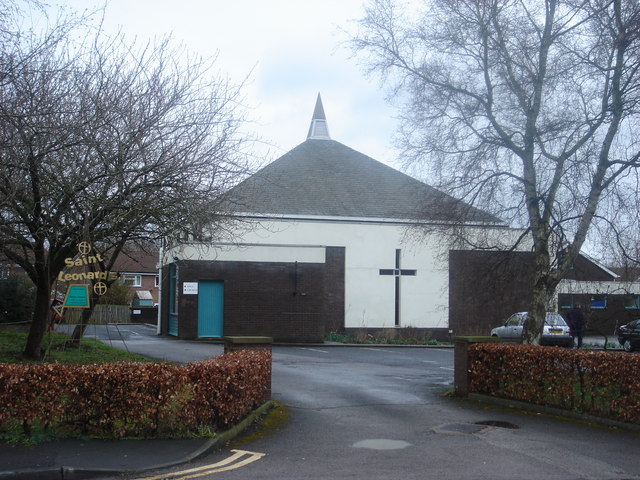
(322, 177)
(137, 261)
(627, 273)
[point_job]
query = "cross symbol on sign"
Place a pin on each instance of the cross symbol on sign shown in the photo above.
(397, 273)
(84, 248)
(100, 288)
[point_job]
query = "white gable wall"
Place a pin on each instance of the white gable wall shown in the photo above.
(243, 252)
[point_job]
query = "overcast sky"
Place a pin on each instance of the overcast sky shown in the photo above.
(292, 50)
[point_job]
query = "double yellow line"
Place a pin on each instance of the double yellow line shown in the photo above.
(221, 466)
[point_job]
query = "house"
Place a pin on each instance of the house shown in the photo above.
(610, 297)
(139, 271)
(324, 243)
(9, 269)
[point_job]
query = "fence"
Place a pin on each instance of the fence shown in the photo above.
(102, 314)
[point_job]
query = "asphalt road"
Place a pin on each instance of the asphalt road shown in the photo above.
(377, 413)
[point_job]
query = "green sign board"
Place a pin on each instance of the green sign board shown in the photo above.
(77, 297)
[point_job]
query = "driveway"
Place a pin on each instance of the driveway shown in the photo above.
(377, 413)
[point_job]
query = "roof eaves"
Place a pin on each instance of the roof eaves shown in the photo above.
(346, 219)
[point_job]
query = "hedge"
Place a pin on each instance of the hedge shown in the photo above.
(599, 383)
(116, 400)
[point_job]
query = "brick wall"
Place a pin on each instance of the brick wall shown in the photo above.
(334, 289)
(602, 321)
(289, 302)
(486, 287)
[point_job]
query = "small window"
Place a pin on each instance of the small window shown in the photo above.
(555, 320)
(142, 302)
(598, 302)
(561, 256)
(565, 300)
(132, 280)
(515, 320)
(632, 302)
(157, 281)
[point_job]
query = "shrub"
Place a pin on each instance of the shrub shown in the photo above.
(118, 293)
(116, 400)
(17, 298)
(338, 337)
(599, 383)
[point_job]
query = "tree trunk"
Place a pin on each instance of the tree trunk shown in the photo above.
(532, 330)
(544, 287)
(79, 330)
(537, 313)
(39, 321)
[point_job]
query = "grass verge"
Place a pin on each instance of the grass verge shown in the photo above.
(60, 349)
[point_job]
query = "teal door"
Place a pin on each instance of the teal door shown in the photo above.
(210, 309)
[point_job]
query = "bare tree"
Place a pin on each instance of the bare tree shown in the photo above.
(527, 109)
(104, 142)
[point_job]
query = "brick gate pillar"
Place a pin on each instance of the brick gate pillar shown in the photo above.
(461, 361)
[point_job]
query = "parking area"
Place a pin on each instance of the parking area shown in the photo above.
(378, 412)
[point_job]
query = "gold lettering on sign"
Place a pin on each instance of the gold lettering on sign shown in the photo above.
(83, 260)
(84, 248)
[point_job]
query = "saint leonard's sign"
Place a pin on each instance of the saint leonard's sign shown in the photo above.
(78, 293)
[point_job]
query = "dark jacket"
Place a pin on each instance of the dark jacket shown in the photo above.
(575, 319)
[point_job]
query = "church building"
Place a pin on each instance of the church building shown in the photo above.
(326, 241)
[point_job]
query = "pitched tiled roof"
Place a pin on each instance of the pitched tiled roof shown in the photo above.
(137, 261)
(627, 273)
(322, 177)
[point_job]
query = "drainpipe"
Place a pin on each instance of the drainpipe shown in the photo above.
(159, 266)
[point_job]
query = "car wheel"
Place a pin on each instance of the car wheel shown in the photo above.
(627, 346)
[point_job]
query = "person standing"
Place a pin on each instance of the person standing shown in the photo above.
(575, 319)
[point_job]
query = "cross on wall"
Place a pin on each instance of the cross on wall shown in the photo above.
(397, 272)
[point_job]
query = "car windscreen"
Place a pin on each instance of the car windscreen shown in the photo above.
(555, 320)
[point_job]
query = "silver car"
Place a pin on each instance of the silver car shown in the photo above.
(555, 332)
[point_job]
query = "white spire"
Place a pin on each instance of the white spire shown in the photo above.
(319, 128)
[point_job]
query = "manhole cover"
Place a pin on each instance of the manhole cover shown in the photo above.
(461, 428)
(498, 423)
(382, 444)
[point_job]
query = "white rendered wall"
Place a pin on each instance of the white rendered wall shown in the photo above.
(251, 253)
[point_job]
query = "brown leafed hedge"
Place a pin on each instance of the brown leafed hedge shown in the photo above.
(599, 383)
(116, 400)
